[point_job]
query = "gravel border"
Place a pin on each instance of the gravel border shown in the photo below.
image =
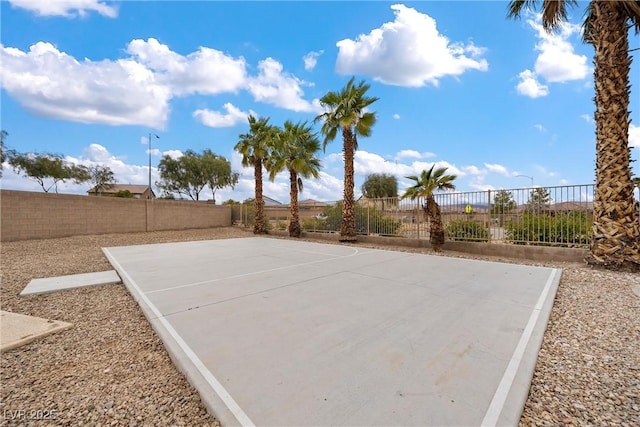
(111, 368)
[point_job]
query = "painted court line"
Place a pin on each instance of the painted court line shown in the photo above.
(219, 389)
(500, 396)
(269, 270)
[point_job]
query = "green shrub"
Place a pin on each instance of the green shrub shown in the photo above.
(562, 229)
(313, 224)
(467, 231)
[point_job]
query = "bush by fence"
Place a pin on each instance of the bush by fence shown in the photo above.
(564, 229)
(468, 231)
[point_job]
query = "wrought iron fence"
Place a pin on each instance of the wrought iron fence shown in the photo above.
(546, 216)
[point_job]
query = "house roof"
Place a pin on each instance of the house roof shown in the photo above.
(112, 189)
(268, 201)
(312, 202)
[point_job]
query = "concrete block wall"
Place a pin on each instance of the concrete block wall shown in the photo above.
(182, 214)
(28, 215)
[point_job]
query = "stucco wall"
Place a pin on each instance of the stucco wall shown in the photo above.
(29, 215)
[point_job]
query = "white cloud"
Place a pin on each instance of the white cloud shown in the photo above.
(274, 86)
(366, 163)
(216, 119)
(418, 167)
(530, 86)
(539, 127)
(326, 187)
(396, 116)
(206, 71)
(557, 61)
(174, 154)
(137, 90)
(496, 168)
(634, 136)
(66, 8)
(53, 84)
(413, 154)
(472, 170)
(410, 51)
(587, 118)
(542, 170)
(311, 59)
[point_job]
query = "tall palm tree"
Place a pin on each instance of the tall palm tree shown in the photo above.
(615, 242)
(255, 147)
(345, 111)
(426, 184)
(295, 151)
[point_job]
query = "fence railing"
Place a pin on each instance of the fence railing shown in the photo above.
(548, 216)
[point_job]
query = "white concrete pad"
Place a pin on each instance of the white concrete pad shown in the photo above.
(18, 329)
(290, 333)
(61, 283)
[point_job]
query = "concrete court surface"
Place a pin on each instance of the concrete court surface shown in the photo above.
(289, 333)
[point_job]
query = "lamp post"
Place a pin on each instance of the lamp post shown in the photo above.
(526, 176)
(149, 148)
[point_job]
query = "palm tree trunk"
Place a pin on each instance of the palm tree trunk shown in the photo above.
(616, 234)
(436, 230)
(294, 223)
(348, 226)
(258, 227)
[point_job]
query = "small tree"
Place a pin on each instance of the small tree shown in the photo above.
(379, 185)
(218, 170)
(102, 178)
(189, 174)
(425, 185)
(503, 202)
(4, 152)
(44, 167)
(539, 200)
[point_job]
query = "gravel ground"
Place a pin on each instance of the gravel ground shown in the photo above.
(111, 368)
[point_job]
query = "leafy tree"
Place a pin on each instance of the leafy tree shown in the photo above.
(615, 239)
(44, 167)
(426, 184)
(220, 173)
(4, 151)
(295, 150)
(539, 200)
(189, 174)
(379, 185)
(346, 113)
(255, 146)
(183, 175)
(102, 178)
(502, 202)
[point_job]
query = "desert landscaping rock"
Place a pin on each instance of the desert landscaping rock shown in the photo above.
(111, 368)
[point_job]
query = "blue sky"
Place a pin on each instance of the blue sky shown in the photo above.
(459, 85)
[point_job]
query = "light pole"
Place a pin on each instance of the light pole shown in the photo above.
(526, 176)
(149, 148)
